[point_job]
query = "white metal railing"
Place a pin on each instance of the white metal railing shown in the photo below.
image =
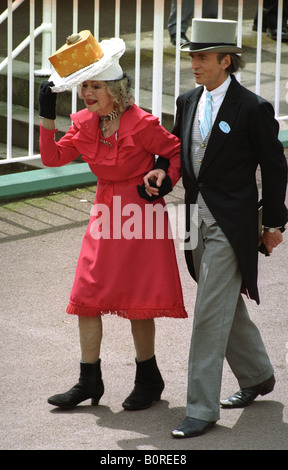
(48, 31)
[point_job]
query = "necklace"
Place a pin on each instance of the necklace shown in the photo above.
(104, 128)
(110, 117)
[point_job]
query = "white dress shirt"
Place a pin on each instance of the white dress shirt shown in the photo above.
(217, 98)
(198, 146)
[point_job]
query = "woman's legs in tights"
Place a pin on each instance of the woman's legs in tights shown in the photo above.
(90, 383)
(148, 384)
(143, 332)
(90, 331)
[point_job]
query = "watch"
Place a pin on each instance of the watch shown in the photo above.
(270, 229)
(273, 229)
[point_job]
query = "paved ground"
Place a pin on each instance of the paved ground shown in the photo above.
(40, 240)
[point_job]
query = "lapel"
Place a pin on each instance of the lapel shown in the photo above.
(189, 110)
(87, 124)
(226, 115)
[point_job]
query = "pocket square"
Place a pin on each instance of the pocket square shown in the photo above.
(224, 126)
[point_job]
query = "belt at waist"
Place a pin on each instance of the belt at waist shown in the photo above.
(105, 188)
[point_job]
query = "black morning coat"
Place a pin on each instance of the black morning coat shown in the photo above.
(227, 178)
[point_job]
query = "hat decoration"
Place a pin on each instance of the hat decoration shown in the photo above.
(82, 58)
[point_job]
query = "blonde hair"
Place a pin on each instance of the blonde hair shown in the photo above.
(119, 90)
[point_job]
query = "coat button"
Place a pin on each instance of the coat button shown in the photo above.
(202, 146)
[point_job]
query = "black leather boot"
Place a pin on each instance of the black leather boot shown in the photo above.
(90, 385)
(148, 386)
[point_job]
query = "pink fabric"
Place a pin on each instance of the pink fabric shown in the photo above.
(136, 276)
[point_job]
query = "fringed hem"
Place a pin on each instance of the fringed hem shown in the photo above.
(131, 314)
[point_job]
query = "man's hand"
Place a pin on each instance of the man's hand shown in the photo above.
(157, 176)
(155, 185)
(271, 240)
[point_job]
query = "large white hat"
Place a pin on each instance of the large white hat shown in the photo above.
(212, 35)
(107, 68)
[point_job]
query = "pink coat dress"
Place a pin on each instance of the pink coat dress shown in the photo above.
(127, 264)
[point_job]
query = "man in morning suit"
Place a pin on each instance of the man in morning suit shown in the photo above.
(218, 171)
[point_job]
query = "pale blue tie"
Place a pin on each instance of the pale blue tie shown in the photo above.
(206, 121)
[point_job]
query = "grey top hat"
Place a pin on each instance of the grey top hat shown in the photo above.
(212, 35)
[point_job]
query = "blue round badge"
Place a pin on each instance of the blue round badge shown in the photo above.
(224, 126)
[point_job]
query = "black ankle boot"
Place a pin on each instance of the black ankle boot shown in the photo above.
(90, 385)
(148, 386)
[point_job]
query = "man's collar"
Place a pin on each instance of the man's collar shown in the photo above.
(220, 90)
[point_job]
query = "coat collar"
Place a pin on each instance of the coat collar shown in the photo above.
(226, 116)
(223, 124)
(87, 123)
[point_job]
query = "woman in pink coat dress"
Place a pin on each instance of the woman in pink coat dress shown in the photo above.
(126, 267)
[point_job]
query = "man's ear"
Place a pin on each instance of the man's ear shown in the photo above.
(226, 61)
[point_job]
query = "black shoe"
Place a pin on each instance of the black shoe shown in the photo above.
(183, 39)
(148, 386)
(246, 396)
(192, 427)
(272, 33)
(90, 385)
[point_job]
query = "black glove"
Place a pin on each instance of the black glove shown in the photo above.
(47, 101)
(164, 189)
(162, 163)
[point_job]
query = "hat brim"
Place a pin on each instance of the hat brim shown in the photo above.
(190, 47)
(112, 49)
